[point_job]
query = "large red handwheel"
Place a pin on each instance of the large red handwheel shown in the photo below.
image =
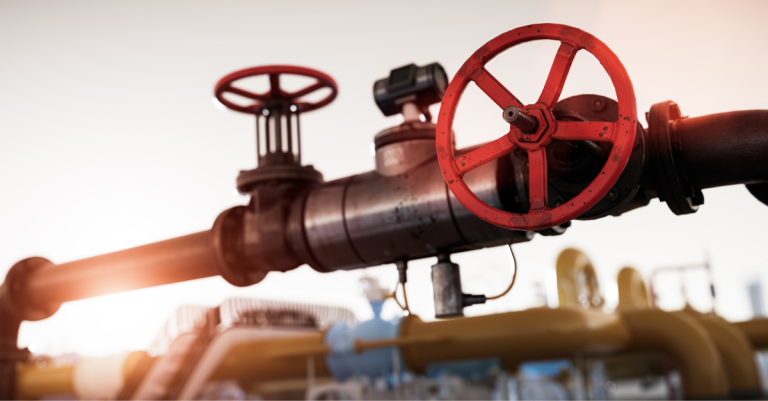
(260, 100)
(540, 127)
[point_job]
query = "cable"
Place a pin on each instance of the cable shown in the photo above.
(514, 277)
(405, 298)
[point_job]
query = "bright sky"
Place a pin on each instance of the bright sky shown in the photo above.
(109, 139)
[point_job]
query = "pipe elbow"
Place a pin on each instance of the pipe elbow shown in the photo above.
(737, 354)
(687, 342)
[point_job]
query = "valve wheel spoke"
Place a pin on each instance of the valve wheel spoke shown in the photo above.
(303, 92)
(599, 131)
(246, 94)
(537, 179)
(494, 89)
(484, 154)
(557, 75)
(274, 85)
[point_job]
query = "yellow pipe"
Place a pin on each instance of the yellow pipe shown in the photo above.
(513, 336)
(576, 280)
(266, 359)
(530, 334)
(535, 333)
(737, 354)
(756, 331)
(687, 342)
(35, 382)
(632, 291)
(733, 346)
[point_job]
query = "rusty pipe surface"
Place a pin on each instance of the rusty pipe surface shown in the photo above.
(180, 259)
(687, 342)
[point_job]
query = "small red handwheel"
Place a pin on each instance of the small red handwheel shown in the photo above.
(539, 127)
(260, 100)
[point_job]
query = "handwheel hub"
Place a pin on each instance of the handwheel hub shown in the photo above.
(543, 134)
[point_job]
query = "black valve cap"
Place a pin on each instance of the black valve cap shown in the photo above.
(423, 86)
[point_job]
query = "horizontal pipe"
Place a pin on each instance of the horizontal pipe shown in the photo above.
(263, 359)
(179, 259)
(36, 382)
(537, 333)
(725, 148)
(532, 334)
(756, 331)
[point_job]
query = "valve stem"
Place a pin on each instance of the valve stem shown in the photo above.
(521, 120)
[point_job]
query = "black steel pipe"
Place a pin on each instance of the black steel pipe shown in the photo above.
(724, 149)
(179, 259)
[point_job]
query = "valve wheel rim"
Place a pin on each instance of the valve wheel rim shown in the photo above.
(260, 100)
(621, 132)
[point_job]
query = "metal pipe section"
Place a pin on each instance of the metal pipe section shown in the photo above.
(180, 259)
(687, 342)
(725, 148)
(99, 378)
(403, 210)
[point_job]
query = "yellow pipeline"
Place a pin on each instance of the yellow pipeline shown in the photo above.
(732, 345)
(756, 331)
(513, 336)
(535, 333)
(576, 280)
(36, 382)
(632, 291)
(737, 354)
(267, 359)
(530, 334)
(681, 337)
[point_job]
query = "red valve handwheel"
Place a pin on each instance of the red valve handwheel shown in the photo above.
(275, 92)
(621, 132)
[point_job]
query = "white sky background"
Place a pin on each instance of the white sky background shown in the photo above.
(109, 139)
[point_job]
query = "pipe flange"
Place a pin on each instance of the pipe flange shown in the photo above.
(13, 291)
(247, 180)
(672, 184)
(226, 239)
(406, 131)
